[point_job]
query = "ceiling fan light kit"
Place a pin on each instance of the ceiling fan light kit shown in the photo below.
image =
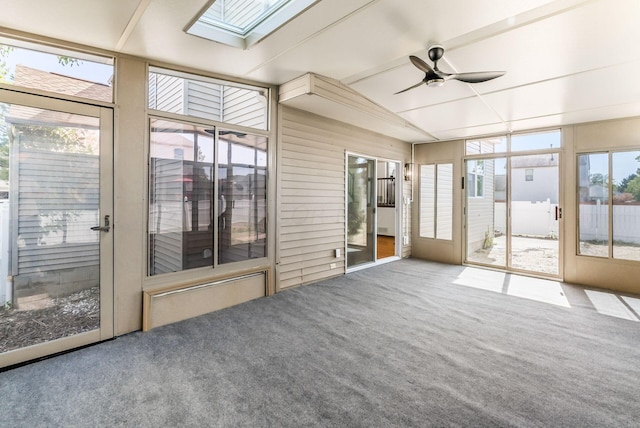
(435, 77)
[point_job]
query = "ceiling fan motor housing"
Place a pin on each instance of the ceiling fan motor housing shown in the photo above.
(436, 52)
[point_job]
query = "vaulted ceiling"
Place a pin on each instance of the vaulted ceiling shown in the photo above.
(567, 61)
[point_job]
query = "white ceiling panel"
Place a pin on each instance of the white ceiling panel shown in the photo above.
(581, 91)
(95, 23)
(596, 35)
(574, 117)
(472, 131)
(469, 112)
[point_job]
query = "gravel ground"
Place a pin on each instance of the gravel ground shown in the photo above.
(60, 317)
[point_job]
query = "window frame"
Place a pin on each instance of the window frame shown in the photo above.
(528, 174)
(610, 183)
(475, 182)
(216, 269)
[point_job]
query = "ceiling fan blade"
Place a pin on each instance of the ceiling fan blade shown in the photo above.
(410, 87)
(477, 77)
(420, 64)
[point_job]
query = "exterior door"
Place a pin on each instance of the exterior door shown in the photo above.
(361, 210)
(56, 220)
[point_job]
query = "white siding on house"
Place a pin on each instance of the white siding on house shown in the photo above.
(312, 192)
(244, 107)
(203, 99)
(57, 205)
(480, 211)
(208, 99)
(165, 93)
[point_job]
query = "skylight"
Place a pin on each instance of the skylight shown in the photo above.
(241, 23)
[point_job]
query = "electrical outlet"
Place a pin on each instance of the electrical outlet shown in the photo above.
(333, 265)
(337, 253)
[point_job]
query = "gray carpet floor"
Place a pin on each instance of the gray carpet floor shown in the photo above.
(395, 345)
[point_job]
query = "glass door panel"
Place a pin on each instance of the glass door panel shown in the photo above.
(52, 199)
(361, 210)
(486, 187)
(386, 209)
(535, 213)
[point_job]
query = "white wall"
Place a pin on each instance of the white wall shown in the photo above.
(386, 221)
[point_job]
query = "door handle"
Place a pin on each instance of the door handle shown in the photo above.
(558, 213)
(104, 228)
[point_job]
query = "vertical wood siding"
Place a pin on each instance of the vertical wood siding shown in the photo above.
(312, 200)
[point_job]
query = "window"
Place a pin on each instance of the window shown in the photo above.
(174, 92)
(536, 141)
(207, 182)
(242, 23)
(242, 184)
(436, 201)
(546, 140)
(56, 70)
(625, 173)
(486, 146)
(609, 199)
(475, 178)
(528, 174)
(180, 197)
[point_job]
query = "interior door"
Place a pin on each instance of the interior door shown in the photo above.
(361, 210)
(56, 225)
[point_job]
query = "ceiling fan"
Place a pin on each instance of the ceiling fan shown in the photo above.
(435, 77)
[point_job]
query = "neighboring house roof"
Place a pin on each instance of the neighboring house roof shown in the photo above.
(534, 161)
(33, 78)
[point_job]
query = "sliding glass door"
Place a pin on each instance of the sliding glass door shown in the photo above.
(512, 203)
(361, 210)
(55, 226)
(485, 182)
(535, 213)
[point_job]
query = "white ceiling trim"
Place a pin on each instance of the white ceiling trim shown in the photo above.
(131, 25)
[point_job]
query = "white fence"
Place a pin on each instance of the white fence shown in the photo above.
(594, 223)
(538, 219)
(528, 218)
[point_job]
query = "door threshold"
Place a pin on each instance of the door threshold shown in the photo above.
(372, 264)
(538, 275)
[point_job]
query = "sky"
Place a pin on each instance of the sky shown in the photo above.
(86, 70)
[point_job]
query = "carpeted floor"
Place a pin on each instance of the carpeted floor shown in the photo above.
(395, 345)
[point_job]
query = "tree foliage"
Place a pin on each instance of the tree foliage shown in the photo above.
(633, 187)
